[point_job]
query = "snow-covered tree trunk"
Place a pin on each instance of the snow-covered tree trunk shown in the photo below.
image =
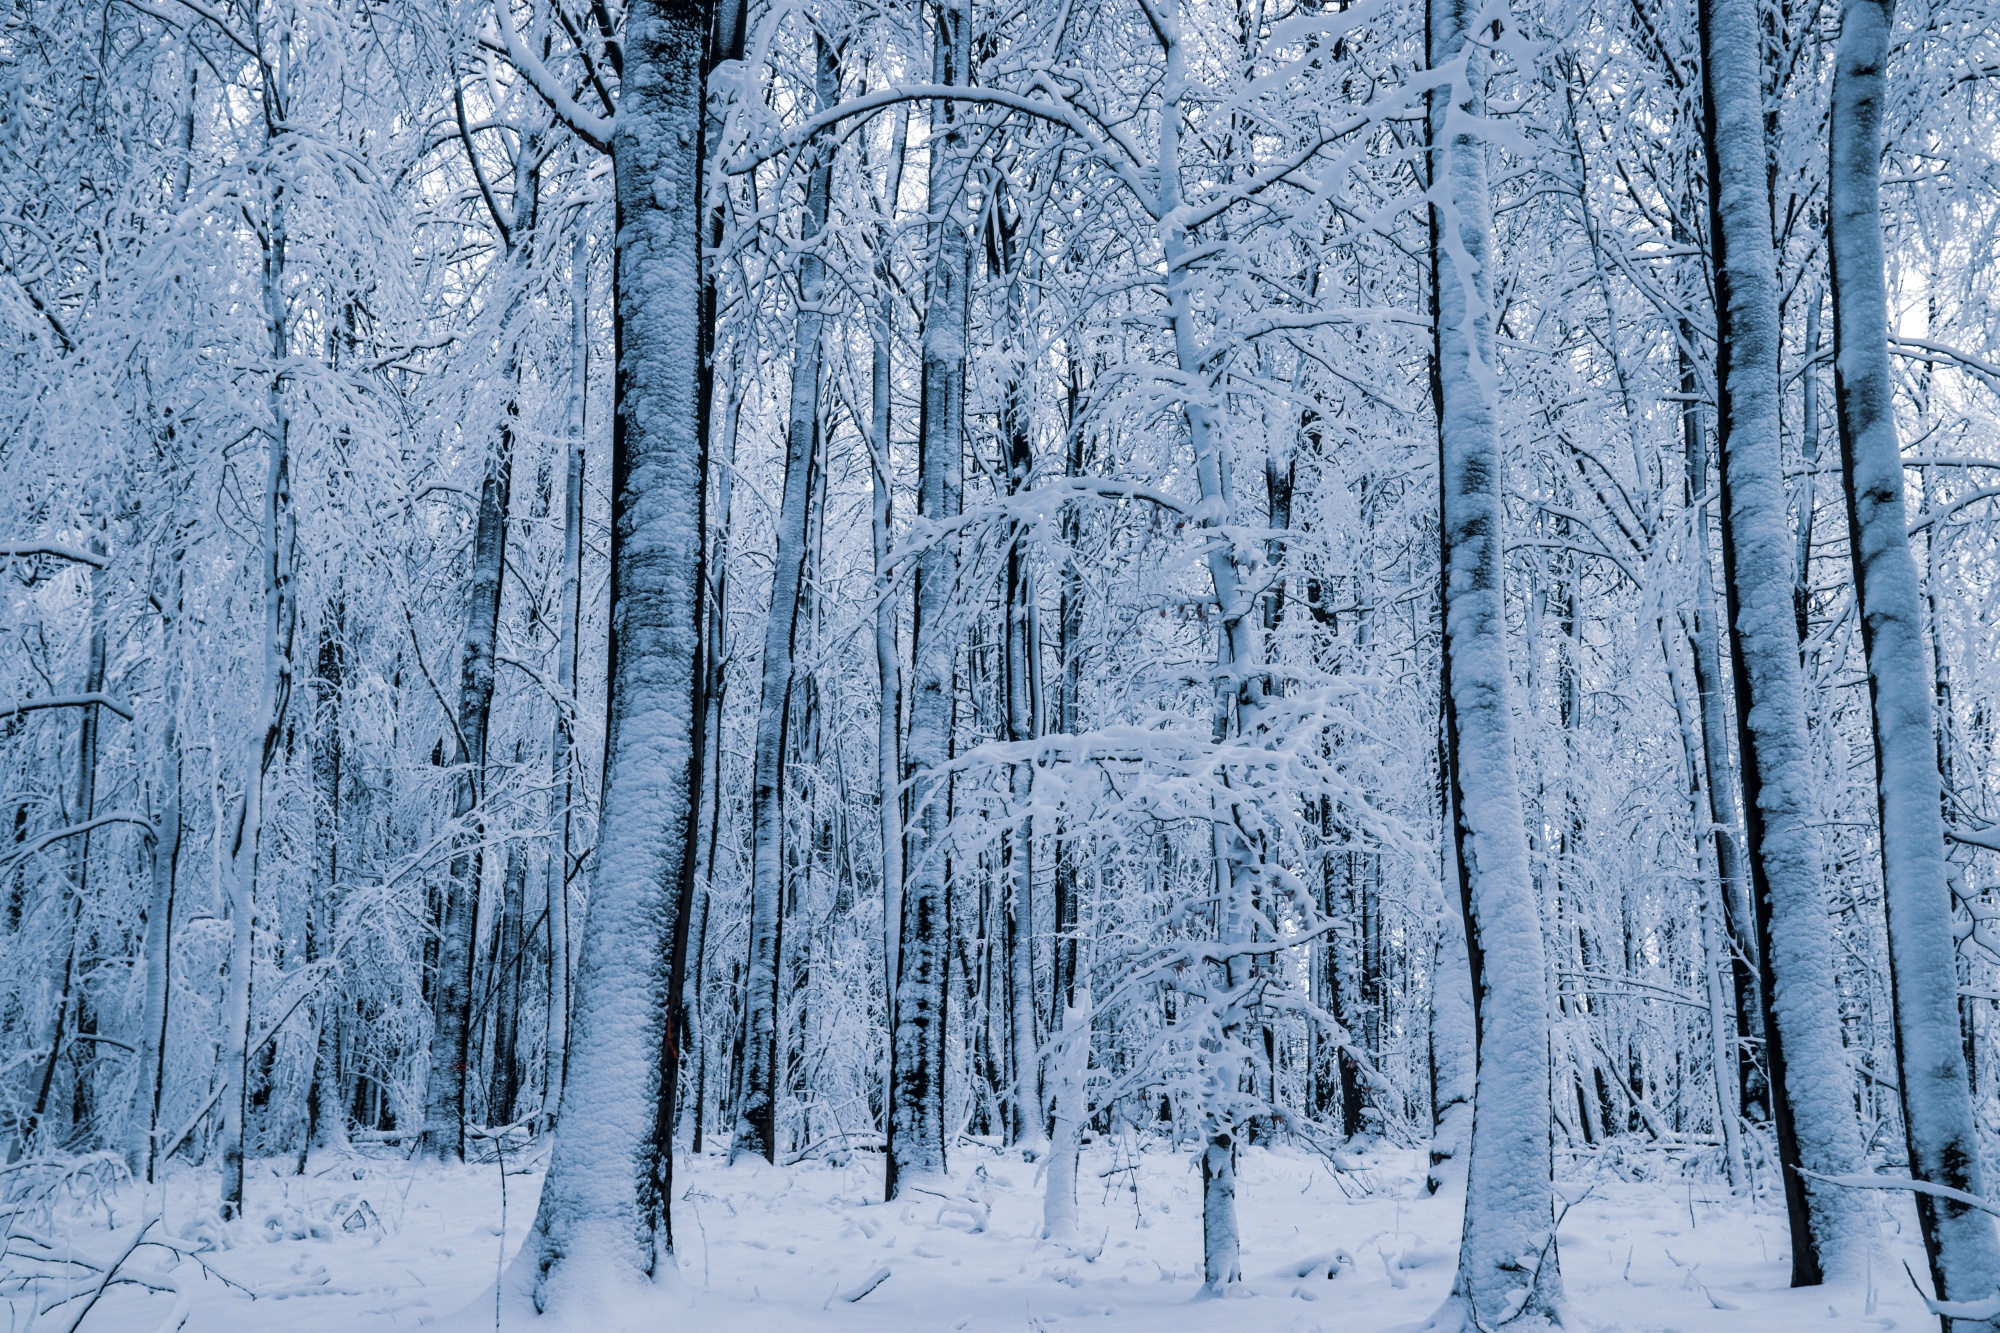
(1454, 1065)
(451, 1066)
(1724, 816)
(1809, 1077)
(1020, 676)
(714, 693)
(1240, 647)
(888, 656)
(1809, 454)
(1930, 1062)
(82, 808)
(726, 45)
(562, 761)
(326, 1110)
(916, 1104)
(265, 740)
(1071, 1000)
(1069, 1094)
(1069, 1069)
(445, 1108)
(757, 1092)
(169, 594)
(603, 1225)
(1715, 952)
(1507, 1267)
(504, 1080)
(143, 1115)
(1069, 653)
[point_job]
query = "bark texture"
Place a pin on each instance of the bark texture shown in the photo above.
(603, 1223)
(1923, 976)
(916, 1101)
(1809, 1078)
(1507, 1266)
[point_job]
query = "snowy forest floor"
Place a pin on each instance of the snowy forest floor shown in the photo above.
(766, 1250)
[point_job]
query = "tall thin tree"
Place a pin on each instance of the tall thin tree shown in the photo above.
(1507, 1262)
(1938, 1123)
(1816, 1129)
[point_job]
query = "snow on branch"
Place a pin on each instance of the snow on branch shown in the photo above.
(593, 130)
(54, 550)
(67, 701)
(116, 817)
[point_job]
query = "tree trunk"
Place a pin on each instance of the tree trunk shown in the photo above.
(451, 1049)
(1714, 952)
(274, 697)
(1239, 659)
(326, 1115)
(1809, 1077)
(1809, 448)
(603, 1223)
(1704, 641)
(504, 1084)
(759, 1075)
(144, 1115)
(1019, 682)
(1069, 652)
(714, 694)
(1507, 1267)
(451, 1068)
(1930, 1063)
(916, 1107)
(83, 806)
(562, 748)
(888, 656)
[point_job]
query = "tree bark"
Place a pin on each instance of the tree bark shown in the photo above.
(759, 1074)
(274, 698)
(1930, 1063)
(916, 1109)
(1020, 681)
(451, 1068)
(562, 748)
(604, 1220)
(1724, 818)
(1507, 1267)
(144, 1114)
(888, 655)
(1715, 956)
(326, 1110)
(1831, 1235)
(504, 1081)
(1241, 679)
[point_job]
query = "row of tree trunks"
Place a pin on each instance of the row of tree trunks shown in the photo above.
(757, 1127)
(452, 1064)
(1507, 1268)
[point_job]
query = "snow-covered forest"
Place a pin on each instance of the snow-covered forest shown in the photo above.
(682, 625)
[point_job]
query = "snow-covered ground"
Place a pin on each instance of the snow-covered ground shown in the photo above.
(373, 1242)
